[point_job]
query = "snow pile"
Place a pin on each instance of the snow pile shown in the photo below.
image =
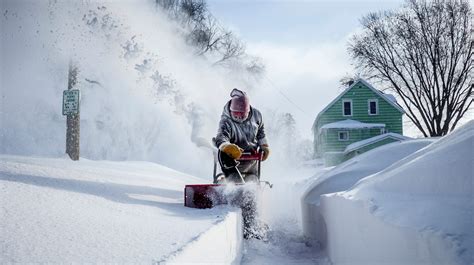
(59, 211)
(346, 175)
(417, 211)
(221, 244)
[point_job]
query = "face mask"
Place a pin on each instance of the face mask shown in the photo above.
(239, 116)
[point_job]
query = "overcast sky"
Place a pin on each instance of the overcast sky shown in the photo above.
(303, 45)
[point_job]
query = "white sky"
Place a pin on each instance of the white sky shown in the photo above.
(303, 45)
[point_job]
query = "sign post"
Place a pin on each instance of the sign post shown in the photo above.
(71, 100)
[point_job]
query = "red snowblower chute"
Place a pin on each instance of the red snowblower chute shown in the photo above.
(209, 195)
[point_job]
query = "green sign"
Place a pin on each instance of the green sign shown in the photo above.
(71, 102)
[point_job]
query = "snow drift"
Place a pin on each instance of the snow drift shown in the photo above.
(60, 211)
(417, 211)
(345, 176)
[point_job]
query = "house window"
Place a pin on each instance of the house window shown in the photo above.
(373, 107)
(343, 136)
(347, 107)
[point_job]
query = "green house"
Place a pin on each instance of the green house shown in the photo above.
(359, 119)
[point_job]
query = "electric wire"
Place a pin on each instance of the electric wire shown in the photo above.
(284, 95)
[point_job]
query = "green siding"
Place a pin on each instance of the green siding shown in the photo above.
(360, 95)
(331, 142)
(369, 147)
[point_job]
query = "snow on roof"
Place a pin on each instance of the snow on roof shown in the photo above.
(351, 124)
(391, 97)
(359, 144)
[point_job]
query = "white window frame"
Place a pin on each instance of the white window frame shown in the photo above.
(376, 107)
(339, 133)
(352, 111)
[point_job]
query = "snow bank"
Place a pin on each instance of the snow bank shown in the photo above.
(346, 175)
(417, 211)
(222, 244)
(60, 211)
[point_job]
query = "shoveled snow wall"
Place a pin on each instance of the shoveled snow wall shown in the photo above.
(417, 211)
(222, 244)
(343, 177)
(357, 236)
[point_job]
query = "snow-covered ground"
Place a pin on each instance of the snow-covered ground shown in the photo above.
(414, 206)
(407, 209)
(54, 210)
(143, 98)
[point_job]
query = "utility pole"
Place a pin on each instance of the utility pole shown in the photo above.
(71, 98)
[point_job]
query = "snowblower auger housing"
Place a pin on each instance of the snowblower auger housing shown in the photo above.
(208, 195)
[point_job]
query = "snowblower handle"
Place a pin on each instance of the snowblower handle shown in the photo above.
(246, 156)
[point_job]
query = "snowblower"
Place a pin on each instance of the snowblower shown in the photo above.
(209, 195)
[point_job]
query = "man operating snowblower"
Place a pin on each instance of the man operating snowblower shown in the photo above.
(241, 131)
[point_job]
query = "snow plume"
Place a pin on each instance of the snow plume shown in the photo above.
(144, 94)
(291, 148)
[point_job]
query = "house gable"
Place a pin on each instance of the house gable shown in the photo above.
(358, 113)
(360, 93)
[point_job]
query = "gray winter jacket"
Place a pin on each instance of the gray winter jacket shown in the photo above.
(248, 134)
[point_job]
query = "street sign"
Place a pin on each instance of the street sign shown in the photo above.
(71, 102)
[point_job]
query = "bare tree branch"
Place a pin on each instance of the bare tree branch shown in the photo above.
(423, 53)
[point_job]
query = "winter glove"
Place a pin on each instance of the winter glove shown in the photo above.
(232, 150)
(266, 151)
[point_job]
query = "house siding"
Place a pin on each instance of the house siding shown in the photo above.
(331, 141)
(359, 94)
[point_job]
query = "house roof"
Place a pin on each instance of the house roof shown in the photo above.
(360, 144)
(351, 124)
(389, 98)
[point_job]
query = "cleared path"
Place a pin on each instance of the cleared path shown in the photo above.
(284, 246)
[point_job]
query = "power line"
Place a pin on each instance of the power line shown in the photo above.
(285, 96)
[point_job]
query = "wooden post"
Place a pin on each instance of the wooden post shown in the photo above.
(73, 120)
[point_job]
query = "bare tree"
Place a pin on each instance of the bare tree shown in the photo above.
(195, 10)
(205, 33)
(347, 80)
(230, 47)
(424, 53)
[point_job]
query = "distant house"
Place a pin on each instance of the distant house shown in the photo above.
(359, 119)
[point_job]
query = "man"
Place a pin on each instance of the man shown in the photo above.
(241, 130)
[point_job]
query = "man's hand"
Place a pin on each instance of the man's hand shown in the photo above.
(266, 151)
(232, 150)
